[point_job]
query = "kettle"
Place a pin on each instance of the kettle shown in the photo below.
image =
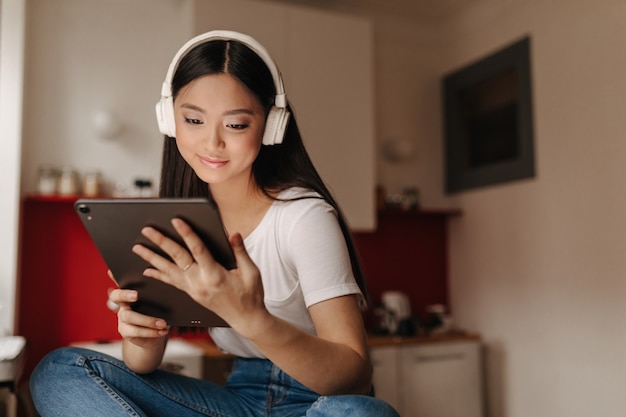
(396, 309)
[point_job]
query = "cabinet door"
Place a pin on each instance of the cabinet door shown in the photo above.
(441, 380)
(385, 378)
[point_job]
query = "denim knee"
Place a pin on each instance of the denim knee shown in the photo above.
(351, 406)
(44, 377)
(42, 371)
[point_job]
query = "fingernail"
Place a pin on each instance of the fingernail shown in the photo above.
(160, 323)
(237, 240)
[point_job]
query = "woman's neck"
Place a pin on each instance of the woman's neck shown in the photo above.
(241, 208)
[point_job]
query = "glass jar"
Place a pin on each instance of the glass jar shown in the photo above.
(91, 184)
(68, 181)
(48, 179)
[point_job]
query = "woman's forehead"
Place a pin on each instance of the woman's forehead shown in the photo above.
(222, 90)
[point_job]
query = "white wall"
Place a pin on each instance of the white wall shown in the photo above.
(117, 52)
(538, 267)
(11, 77)
(408, 107)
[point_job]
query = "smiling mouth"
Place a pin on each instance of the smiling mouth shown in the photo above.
(213, 163)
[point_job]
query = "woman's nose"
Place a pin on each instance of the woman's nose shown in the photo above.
(213, 139)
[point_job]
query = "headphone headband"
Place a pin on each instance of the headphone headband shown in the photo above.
(278, 117)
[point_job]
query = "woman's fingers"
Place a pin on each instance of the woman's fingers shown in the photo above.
(198, 252)
(180, 257)
(247, 270)
(121, 296)
(135, 319)
(110, 274)
(159, 263)
(133, 324)
(244, 263)
(183, 260)
(118, 297)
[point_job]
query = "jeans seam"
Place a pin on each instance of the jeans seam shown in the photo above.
(277, 388)
(114, 395)
(183, 402)
(166, 394)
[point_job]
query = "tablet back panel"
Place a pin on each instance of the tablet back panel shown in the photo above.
(115, 226)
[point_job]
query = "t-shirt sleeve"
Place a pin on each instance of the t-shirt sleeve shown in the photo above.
(320, 255)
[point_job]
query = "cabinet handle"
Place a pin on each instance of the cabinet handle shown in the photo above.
(439, 358)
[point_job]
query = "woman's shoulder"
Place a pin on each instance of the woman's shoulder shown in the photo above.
(297, 193)
(301, 200)
(300, 206)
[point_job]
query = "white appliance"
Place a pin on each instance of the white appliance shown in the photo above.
(396, 308)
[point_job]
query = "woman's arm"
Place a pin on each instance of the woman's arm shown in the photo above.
(143, 359)
(336, 361)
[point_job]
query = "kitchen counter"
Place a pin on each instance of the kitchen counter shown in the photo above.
(374, 340)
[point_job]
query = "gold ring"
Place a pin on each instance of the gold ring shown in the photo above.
(187, 267)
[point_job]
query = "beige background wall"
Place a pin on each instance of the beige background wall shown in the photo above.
(538, 267)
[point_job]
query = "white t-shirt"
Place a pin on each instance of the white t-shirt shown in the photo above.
(303, 259)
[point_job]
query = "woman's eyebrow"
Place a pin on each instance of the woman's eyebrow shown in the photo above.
(191, 106)
(238, 111)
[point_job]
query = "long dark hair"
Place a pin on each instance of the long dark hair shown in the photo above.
(277, 167)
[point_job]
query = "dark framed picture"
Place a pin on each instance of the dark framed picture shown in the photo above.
(488, 124)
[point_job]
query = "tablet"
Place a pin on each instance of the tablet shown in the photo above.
(115, 226)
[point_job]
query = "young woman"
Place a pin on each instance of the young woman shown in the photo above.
(294, 301)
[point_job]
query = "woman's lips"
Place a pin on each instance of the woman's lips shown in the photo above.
(213, 162)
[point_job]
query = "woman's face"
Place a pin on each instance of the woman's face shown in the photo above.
(219, 128)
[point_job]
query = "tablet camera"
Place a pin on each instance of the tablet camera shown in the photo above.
(84, 209)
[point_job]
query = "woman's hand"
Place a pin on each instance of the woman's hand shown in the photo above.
(235, 295)
(143, 337)
(141, 330)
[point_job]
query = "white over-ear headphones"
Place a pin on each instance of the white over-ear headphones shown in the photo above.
(278, 116)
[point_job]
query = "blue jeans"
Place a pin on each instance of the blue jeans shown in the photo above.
(79, 382)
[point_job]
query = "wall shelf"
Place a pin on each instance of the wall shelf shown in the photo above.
(420, 212)
(51, 198)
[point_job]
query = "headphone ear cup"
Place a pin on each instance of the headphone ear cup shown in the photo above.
(165, 116)
(275, 126)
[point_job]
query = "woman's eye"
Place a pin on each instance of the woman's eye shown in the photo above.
(193, 121)
(237, 126)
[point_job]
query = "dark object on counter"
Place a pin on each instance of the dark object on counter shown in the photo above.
(407, 327)
(141, 183)
(438, 320)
